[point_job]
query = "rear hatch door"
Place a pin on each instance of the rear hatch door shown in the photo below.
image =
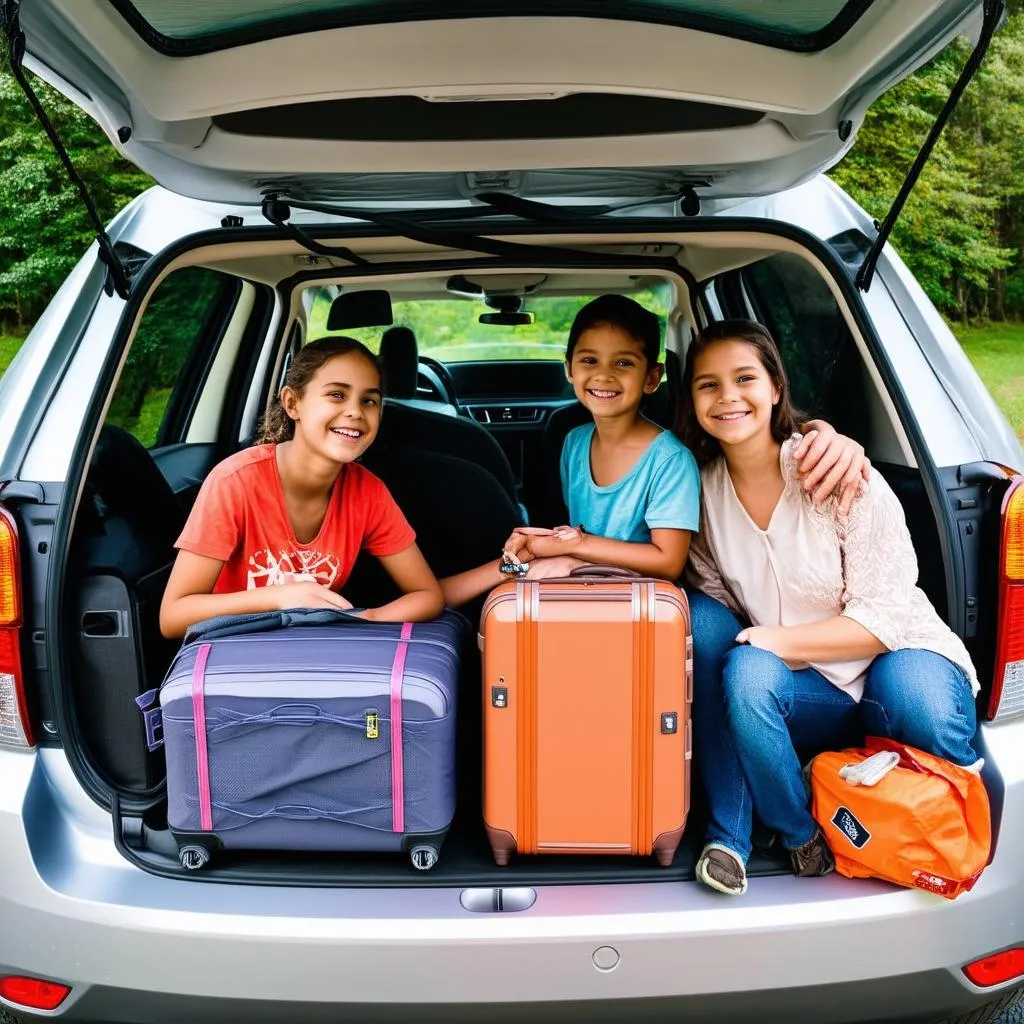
(389, 102)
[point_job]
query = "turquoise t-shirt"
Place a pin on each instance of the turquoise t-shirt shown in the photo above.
(661, 491)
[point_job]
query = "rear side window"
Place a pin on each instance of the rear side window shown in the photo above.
(790, 298)
(174, 346)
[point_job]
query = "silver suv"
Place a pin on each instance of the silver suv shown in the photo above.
(462, 158)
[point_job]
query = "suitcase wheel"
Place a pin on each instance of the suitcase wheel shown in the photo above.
(193, 857)
(423, 857)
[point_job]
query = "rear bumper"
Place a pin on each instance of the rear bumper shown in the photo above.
(925, 998)
(136, 947)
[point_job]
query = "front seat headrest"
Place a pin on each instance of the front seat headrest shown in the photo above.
(400, 358)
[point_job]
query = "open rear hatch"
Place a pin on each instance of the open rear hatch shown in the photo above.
(385, 103)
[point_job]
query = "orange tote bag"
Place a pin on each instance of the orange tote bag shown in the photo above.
(924, 824)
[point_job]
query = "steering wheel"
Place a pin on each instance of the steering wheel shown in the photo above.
(449, 394)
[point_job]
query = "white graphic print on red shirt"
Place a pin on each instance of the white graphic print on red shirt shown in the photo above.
(267, 569)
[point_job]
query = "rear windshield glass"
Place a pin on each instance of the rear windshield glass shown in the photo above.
(193, 26)
(450, 331)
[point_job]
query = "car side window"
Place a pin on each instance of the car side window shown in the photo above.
(792, 300)
(173, 349)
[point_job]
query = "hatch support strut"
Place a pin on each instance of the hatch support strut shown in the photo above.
(118, 279)
(993, 15)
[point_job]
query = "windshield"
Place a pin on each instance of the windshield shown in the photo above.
(449, 330)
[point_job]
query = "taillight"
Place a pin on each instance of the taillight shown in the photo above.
(997, 968)
(33, 993)
(1007, 697)
(14, 721)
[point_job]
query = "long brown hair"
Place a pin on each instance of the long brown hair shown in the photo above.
(786, 419)
(276, 425)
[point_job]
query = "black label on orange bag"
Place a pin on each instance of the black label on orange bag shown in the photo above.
(844, 820)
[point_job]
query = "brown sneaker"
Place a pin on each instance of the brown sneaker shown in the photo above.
(813, 858)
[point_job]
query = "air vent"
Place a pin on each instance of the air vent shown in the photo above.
(492, 414)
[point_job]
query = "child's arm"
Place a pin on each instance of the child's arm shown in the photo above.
(188, 598)
(465, 586)
(421, 599)
(664, 557)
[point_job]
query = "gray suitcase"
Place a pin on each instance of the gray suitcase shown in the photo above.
(308, 731)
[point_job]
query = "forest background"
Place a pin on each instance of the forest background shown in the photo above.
(962, 232)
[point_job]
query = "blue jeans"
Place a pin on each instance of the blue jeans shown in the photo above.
(755, 720)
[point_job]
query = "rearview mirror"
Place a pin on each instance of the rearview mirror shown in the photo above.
(509, 313)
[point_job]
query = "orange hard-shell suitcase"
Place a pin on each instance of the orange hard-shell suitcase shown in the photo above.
(587, 684)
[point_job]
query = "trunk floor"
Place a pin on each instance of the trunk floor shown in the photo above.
(465, 860)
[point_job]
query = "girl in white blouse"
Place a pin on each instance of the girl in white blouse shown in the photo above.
(840, 640)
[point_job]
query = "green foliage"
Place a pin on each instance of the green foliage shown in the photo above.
(44, 228)
(173, 322)
(962, 230)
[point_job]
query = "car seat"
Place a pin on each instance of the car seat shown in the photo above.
(121, 558)
(461, 514)
(409, 422)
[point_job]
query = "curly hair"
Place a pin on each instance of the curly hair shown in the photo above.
(786, 419)
(276, 425)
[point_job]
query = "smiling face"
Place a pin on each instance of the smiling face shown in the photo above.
(609, 371)
(337, 414)
(733, 394)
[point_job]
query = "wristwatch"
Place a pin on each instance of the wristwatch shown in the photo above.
(514, 568)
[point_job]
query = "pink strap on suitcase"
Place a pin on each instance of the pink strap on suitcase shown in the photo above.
(397, 768)
(202, 757)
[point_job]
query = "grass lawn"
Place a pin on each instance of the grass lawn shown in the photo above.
(997, 351)
(8, 349)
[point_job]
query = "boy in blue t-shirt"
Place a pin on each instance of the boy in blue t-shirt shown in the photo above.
(631, 488)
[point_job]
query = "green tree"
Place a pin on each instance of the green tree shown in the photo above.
(44, 228)
(961, 230)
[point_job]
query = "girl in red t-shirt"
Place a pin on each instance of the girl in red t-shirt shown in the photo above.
(280, 525)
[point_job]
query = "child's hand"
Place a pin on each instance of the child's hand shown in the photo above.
(768, 638)
(306, 595)
(552, 568)
(560, 541)
(517, 547)
(829, 462)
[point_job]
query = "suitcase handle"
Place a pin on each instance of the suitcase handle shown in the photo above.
(609, 572)
(297, 714)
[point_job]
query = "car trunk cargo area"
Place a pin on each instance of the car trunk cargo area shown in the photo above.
(122, 550)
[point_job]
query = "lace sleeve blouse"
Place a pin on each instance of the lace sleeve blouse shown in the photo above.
(811, 564)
